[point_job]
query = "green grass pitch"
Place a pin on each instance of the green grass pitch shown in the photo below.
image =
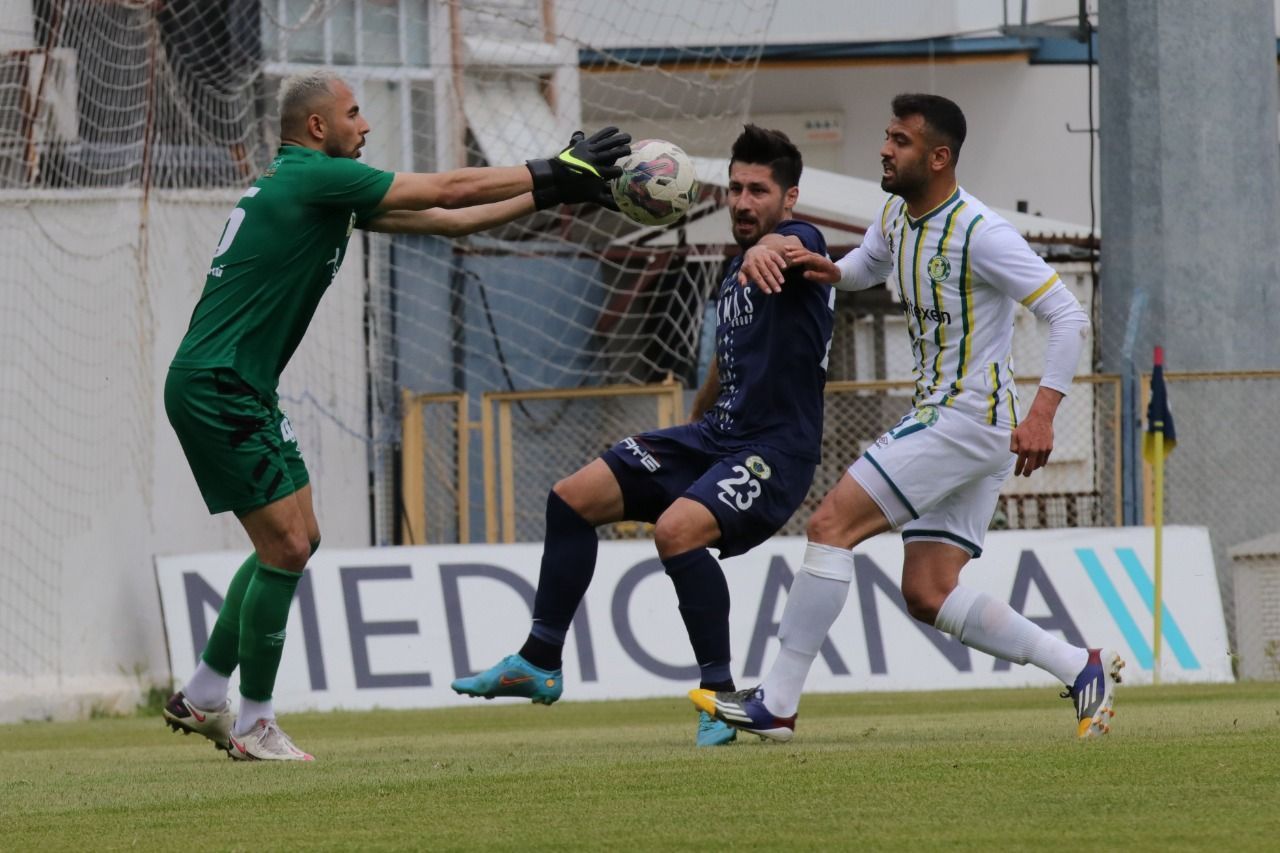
(1185, 768)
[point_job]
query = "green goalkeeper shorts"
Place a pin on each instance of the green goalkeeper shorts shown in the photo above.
(240, 446)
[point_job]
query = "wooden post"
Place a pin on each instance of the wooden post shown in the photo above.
(412, 469)
(464, 471)
(490, 471)
(507, 463)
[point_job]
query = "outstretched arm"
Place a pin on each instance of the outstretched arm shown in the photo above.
(452, 223)
(574, 174)
(858, 270)
(816, 267)
(765, 264)
(455, 188)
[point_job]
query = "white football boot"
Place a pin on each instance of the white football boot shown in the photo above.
(184, 717)
(265, 742)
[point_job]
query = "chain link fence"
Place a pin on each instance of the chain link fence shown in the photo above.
(1225, 474)
(434, 506)
(464, 480)
(488, 480)
(1080, 487)
(529, 440)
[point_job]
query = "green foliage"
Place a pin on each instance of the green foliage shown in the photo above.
(1185, 768)
(153, 700)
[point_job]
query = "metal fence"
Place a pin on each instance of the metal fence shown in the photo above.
(454, 487)
(1225, 473)
(487, 480)
(1079, 488)
(527, 440)
(435, 504)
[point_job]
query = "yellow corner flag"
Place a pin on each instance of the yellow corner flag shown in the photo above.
(1158, 442)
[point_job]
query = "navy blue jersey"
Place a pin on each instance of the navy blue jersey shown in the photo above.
(771, 351)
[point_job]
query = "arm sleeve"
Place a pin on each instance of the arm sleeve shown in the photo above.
(1068, 328)
(806, 233)
(870, 263)
(811, 238)
(1004, 260)
(341, 182)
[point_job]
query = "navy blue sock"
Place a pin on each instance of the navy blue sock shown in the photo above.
(568, 562)
(703, 594)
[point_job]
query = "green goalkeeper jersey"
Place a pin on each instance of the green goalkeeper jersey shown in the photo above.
(280, 249)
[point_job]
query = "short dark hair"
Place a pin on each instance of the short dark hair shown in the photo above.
(941, 115)
(769, 148)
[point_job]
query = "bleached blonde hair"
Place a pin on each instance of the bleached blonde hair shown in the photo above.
(299, 97)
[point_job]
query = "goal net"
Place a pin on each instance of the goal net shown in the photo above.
(128, 128)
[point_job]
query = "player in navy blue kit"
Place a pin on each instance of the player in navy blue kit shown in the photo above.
(730, 478)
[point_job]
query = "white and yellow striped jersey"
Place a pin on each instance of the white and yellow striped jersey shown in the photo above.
(960, 271)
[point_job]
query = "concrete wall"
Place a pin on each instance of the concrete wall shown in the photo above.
(1192, 183)
(94, 483)
(701, 22)
(1018, 146)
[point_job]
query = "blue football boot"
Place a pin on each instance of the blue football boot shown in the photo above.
(712, 732)
(745, 710)
(513, 676)
(1094, 691)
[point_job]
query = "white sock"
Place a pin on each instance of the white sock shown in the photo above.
(250, 712)
(207, 689)
(988, 625)
(817, 596)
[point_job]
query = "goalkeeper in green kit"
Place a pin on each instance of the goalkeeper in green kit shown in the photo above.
(280, 249)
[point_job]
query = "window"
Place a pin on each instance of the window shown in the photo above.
(346, 32)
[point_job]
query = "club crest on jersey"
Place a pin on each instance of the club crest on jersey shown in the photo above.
(926, 415)
(939, 268)
(759, 467)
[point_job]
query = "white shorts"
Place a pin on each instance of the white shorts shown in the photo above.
(937, 475)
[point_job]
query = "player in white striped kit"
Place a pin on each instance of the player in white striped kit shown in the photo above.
(960, 272)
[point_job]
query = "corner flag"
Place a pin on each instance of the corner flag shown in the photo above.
(1159, 418)
(1158, 441)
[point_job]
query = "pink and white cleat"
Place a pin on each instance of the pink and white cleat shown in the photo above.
(265, 742)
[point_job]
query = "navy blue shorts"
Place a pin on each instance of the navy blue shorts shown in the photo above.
(751, 492)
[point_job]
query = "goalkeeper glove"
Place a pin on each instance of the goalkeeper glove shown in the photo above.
(579, 172)
(577, 188)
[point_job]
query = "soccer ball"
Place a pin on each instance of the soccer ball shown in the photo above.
(658, 183)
